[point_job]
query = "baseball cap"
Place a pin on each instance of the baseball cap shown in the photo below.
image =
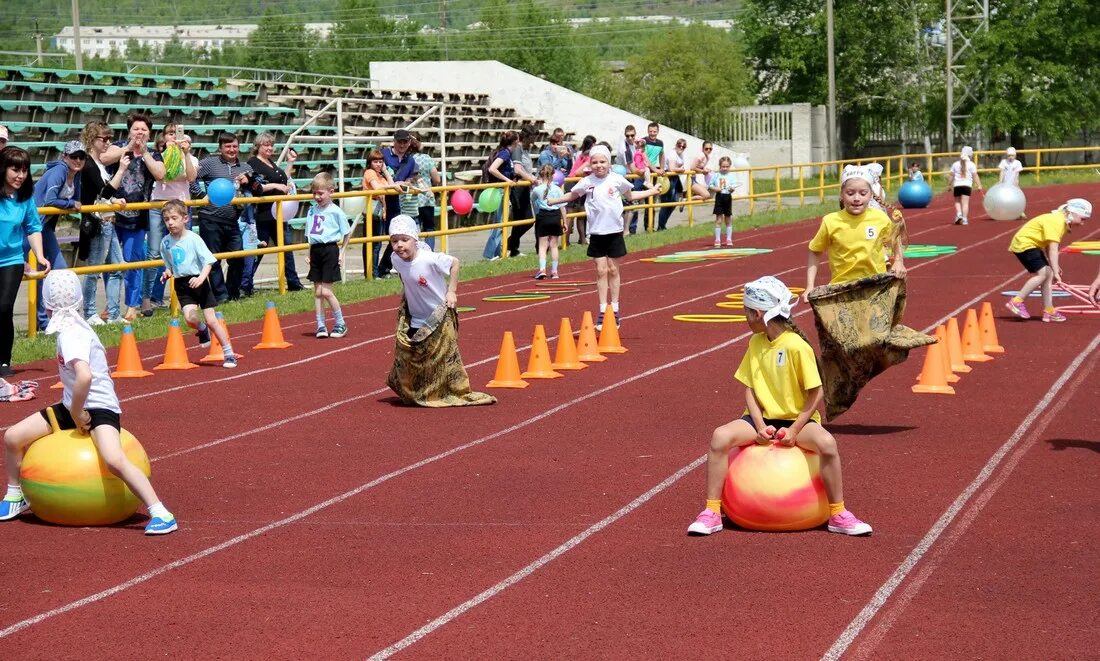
(1080, 207)
(4, 133)
(74, 147)
(401, 134)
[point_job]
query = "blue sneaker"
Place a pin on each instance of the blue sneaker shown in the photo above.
(160, 526)
(9, 509)
(204, 337)
(230, 360)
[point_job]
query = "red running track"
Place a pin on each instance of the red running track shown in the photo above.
(319, 519)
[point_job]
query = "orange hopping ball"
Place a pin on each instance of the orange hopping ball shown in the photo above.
(774, 487)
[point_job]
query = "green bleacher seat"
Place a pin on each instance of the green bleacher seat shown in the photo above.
(32, 72)
(114, 90)
(89, 107)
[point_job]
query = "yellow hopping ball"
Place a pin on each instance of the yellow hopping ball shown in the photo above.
(66, 482)
(774, 487)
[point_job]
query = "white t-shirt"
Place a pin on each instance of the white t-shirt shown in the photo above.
(177, 189)
(1010, 171)
(960, 178)
(79, 343)
(425, 282)
(604, 202)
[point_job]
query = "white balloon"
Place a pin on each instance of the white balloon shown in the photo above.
(1004, 202)
(290, 208)
(353, 206)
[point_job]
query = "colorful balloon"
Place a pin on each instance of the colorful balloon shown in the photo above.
(221, 192)
(489, 200)
(462, 202)
(619, 169)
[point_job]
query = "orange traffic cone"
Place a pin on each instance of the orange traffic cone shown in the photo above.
(565, 358)
(217, 352)
(129, 362)
(941, 335)
(932, 377)
(272, 336)
(175, 354)
(972, 340)
(57, 386)
(507, 374)
(990, 343)
(954, 348)
(588, 349)
(538, 365)
(609, 334)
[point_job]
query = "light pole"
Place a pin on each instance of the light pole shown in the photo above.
(76, 35)
(834, 149)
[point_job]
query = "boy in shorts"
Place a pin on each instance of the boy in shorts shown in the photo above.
(328, 233)
(187, 262)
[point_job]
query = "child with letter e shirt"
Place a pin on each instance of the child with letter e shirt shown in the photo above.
(328, 233)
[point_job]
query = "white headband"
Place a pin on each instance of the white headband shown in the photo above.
(62, 293)
(599, 150)
(770, 296)
(856, 172)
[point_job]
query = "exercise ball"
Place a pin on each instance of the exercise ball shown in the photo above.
(353, 206)
(915, 195)
(67, 483)
(220, 192)
(462, 202)
(559, 178)
(489, 200)
(290, 208)
(774, 487)
(619, 169)
(1004, 202)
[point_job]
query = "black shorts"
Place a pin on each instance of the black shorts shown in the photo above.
(202, 296)
(324, 263)
(962, 190)
(723, 204)
(607, 245)
(548, 223)
(1033, 259)
(775, 422)
(99, 417)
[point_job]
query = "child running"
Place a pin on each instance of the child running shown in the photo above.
(187, 262)
(782, 395)
(722, 184)
(549, 219)
(88, 403)
(328, 234)
(1041, 233)
(603, 204)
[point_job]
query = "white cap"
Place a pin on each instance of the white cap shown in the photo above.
(1080, 207)
(1011, 151)
(856, 172)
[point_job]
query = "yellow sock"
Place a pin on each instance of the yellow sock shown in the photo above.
(836, 508)
(715, 506)
(1049, 310)
(1017, 300)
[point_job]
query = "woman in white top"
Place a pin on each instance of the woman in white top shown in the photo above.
(963, 180)
(702, 172)
(676, 162)
(152, 289)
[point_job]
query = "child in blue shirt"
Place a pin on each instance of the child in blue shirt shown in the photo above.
(328, 233)
(549, 219)
(187, 261)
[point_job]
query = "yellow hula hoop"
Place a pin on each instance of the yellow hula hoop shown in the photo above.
(516, 297)
(710, 318)
(736, 297)
(731, 305)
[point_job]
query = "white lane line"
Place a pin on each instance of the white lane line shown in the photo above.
(882, 595)
(572, 543)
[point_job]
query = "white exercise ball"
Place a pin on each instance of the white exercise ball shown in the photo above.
(1004, 202)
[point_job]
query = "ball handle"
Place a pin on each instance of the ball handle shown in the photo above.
(52, 417)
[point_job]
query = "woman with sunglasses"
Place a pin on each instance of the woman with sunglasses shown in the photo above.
(699, 180)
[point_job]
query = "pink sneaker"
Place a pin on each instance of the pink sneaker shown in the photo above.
(707, 523)
(847, 523)
(717, 244)
(727, 244)
(1018, 309)
(1053, 316)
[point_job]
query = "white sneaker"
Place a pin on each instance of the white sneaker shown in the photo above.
(94, 320)
(117, 320)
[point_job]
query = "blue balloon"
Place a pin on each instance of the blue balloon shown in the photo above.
(915, 194)
(220, 192)
(619, 169)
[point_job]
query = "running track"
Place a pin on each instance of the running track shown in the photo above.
(320, 520)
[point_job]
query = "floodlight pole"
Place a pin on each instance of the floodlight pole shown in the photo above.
(834, 148)
(76, 35)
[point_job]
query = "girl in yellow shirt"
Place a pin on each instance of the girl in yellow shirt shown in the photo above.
(856, 237)
(782, 395)
(1044, 233)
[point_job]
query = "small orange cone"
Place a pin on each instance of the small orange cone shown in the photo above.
(272, 336)
(217, 352)
(507, 374)
(538, 365)
(129, 362)
(954, 348)
(990, 343)
(57, 386)
(175, 354)
(932, 377)
(941, 335)
(565, 358)
(609, 334)
(972, 340)
(588, 349)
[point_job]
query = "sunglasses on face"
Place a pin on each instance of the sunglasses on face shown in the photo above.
(707, 149)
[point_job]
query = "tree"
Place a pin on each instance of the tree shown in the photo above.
(363, 34)
(283, 39)
(1039, 58)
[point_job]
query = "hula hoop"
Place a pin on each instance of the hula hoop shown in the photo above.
(559, 290)
(563, 283)
(1038, 294)
(671, 259)
(465, 309)
(506, 298)
(709, 318)
(730, 305)
(1079, 292)
(737, 296)
(1090, 252)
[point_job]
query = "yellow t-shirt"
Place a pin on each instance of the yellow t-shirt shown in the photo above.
(856, 244)
(1039, 231)
(780, 372)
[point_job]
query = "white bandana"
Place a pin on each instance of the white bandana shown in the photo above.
(770, 296)
(406, 226)
(856, 172)
(875, 170)
(1082, 208)
(600, 150)
(967, 153)
(62, 293)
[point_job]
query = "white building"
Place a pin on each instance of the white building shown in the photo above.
(100, 40)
